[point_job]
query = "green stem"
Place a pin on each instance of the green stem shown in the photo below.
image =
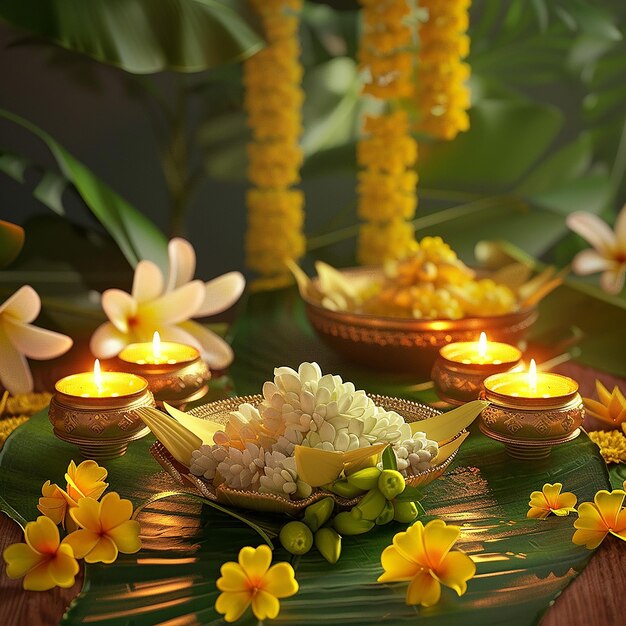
(619, 166)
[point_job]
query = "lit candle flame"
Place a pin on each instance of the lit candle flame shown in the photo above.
(156, 345)
(97, 374)
(482, 346)
(532, 376)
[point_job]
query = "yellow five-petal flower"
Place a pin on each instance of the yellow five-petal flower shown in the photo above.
(105, 529)
(610, 406)
(422, 556)
(252, 581)
(43, 560)
(596, 520)
(84, 480)
(551, 500)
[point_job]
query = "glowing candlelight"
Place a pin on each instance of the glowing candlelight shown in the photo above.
(481, 352)
(482, 347)
(99, 384)
(156, 346)
(532, 377)
(97, 375)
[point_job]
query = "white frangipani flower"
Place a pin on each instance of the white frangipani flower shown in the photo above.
(608, 254)
(167, 306)
(20, 339)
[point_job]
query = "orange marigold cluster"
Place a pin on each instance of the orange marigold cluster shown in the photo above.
(442, 94)
(273, 102)
(387, 152)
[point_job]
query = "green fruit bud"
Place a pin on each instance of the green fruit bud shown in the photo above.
(328, 542)
(303, 490)
(356, 513)
(344, 489)
(346, 524)
(296, 537)
(318, 513)
(365, 479)
(372, 504)
(391, 483)
(387, 514)
(404, 512)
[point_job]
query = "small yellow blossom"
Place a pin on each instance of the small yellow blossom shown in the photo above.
(612, 445)
(596, 520)
(551, 500)
(84, 480)
(610, 406)
(421, 555)
(44, 561)
(105, 529)
(251, 581)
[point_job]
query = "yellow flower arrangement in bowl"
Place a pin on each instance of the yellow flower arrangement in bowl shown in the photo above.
(397, 316)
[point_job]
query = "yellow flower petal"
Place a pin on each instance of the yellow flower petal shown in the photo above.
(233, 604)
(265, 605)
(233, 578)
(589, 518)
(52, 503)
(126, 536)
(455, 570)
(609, 504)
(397, 568)
(538, 513)
(438, 539)
(87, 514)
(39, 578)
(114, 511)
(42, 535)
(86, 480)
(424, 590)
(603, 393)
(64, 567)
(105, 551)
(20, 558)
(551, 492)
(82, 542)
(589, 538)
(620, 525)
(567, 500)
(255, 561)
(280, 581)
(410, 544)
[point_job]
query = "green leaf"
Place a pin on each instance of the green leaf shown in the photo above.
(410, 494)
(389, 459)
(137, 237)
(11, 242)
(141, 36)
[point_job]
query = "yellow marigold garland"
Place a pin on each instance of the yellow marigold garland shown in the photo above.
(16, 410)
(387, 152)
(442, 94)
(273, 101)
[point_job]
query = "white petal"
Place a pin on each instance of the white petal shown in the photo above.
(174, 306)
(221, 293)
(590, 262)
(35, 342)
(107, 341)
(147, 282)
(613, 280)
(215, 351)
(14, 371)
(594, 230)
(119, 307)
(24, 305)
(620, 230)
(182, 263)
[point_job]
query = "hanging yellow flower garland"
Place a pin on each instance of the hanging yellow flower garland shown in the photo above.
(387, 152)
(273, 101)
(442, 94)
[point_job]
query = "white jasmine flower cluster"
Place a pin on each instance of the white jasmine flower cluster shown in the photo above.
(415, 454)
(304, 407)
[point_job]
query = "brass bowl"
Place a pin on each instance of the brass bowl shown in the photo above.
(406, 344)
(102, 428)
(219, 411)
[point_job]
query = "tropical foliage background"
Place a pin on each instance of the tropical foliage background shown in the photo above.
(547, 137)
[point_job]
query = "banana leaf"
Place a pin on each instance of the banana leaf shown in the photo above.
(137, 237)
(140, 36)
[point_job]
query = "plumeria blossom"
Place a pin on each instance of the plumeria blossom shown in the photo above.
(608, 254)
(105, 529)
(251, 581)
(20, 339)
(44, 561)
(421, 555)
(167, 306)
(84, 480)
(610, 407)
(551, 500)
(596, 520)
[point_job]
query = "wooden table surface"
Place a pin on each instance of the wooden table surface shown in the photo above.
(595, 598)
